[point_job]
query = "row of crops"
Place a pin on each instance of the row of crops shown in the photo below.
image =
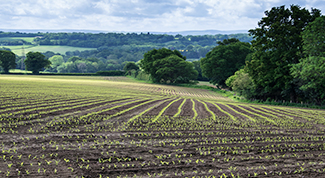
(92, 127)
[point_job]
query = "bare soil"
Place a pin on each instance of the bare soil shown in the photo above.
(55, 146)
(187, 109)
(173, 109)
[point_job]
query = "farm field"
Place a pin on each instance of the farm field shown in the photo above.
(63, 126)
(28, 39)
(44, 48)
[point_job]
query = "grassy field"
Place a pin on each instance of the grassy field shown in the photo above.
(27, 39)
(64, 126)
(56, 49)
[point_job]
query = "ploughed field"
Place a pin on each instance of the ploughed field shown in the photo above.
(115, 127)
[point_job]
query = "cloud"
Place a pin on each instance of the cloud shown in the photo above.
(140, 15)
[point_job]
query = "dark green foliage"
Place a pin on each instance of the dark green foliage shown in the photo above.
(7, 60)
(35, 61)
(111, 73)
(277, 44)
(241, 83)
(197, 67)
(314, 38)
(224, 60)
(167, 66)
(130, 66)
(311, 69)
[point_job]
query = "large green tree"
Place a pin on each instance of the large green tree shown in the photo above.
(277, 44)
(36, 61)
(130, 66)
(56, 61)
(242, 83)
(167, 66)
(311, 69)
(224, 60)
(7, 60)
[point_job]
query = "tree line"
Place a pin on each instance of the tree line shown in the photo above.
(285, 61)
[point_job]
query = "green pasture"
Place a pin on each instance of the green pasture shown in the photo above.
(27, 39)
(19, 71)
(43, 48)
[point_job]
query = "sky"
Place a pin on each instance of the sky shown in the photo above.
(140, 15)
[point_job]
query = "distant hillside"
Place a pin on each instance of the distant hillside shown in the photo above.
(110, 51)
(204, 32)
(184, 33)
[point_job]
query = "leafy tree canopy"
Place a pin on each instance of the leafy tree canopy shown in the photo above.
(36, 61)
(7, 60)
(277, 44)
(56, 60)
(167, 66)
(224, 60)
(242, 83)
(130, 66)
(311, 69)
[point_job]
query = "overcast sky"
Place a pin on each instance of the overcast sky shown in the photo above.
(140, 15)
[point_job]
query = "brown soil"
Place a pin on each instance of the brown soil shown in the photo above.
(200, 109)
(278, 112)
(56, 107)
(173, 108)
(215, 110)
(48, 102)
(253, 111)
(187, 109)
(44, 104)
(225, 108)
(175, 147)
(116, 110)
(139, 109)
(156, 110)
(269, 112)
(241, 111)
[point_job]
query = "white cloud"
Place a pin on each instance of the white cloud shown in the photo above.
(139, 15)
